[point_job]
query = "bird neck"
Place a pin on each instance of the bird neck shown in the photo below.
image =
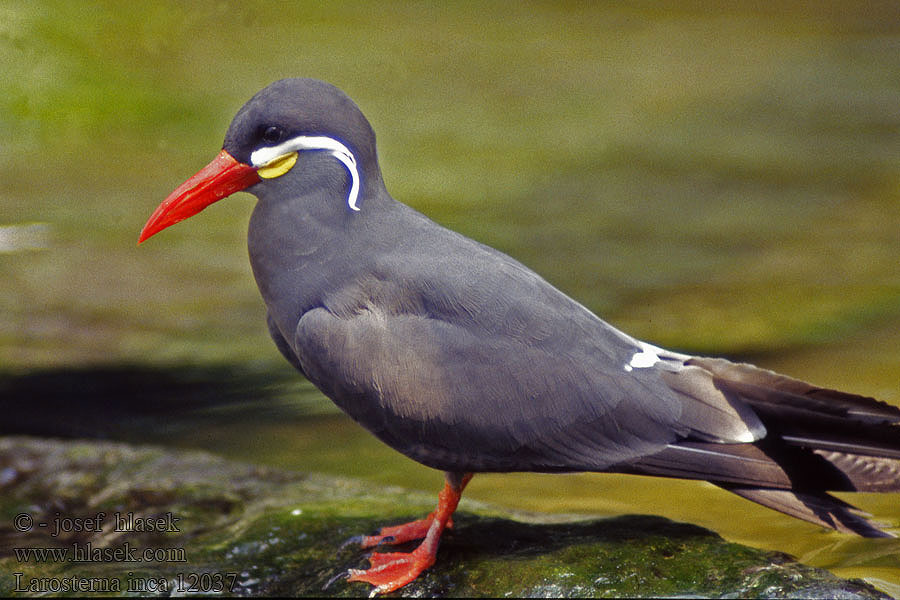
(302, 245)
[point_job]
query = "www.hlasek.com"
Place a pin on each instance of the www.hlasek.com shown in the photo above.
(87, 553)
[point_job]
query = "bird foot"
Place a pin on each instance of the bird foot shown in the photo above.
(398, 534)
(392, 570)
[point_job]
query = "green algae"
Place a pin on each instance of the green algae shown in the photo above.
(237, 529)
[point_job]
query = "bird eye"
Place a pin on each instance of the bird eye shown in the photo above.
(272, 135)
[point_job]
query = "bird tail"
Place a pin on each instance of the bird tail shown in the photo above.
(817, 440)
(815, 507)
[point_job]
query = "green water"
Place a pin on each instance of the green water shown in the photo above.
(709, 178)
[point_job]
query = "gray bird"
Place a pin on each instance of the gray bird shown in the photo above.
(467, 361)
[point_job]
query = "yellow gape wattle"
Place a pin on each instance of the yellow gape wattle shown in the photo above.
(278, 167)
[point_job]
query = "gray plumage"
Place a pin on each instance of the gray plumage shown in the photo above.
(465, 360)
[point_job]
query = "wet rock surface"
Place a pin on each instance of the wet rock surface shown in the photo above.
(97, 517)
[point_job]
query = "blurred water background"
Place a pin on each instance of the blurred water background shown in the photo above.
(713, 177)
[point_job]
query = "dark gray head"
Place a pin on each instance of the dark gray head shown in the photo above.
(303, 115)
(296, 107)
(293, 138)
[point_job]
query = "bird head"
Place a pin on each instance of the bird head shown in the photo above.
(283, 121)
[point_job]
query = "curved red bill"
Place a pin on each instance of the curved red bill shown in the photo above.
(219, 179)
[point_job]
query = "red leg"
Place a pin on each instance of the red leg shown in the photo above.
(392, 570)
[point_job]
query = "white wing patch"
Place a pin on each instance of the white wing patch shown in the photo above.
(265, 155)
(646, 358)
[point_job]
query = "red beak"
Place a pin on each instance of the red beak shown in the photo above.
(219, 179)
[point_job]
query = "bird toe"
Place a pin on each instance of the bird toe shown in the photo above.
(392, 570)
(396, 534)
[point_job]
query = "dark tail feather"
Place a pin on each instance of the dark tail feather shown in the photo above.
(764, 387)
(811, 417)
(785, 478)
(817, 507)
(816, 440)
(865, 473)
(771, 463)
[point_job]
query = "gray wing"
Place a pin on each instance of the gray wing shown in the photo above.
(480, 365)
(467, 361)
(443, 395)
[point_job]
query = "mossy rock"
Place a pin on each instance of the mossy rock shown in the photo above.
(216, 526)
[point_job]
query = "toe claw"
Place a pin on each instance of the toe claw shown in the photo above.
(342, 575)
(355, 540)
